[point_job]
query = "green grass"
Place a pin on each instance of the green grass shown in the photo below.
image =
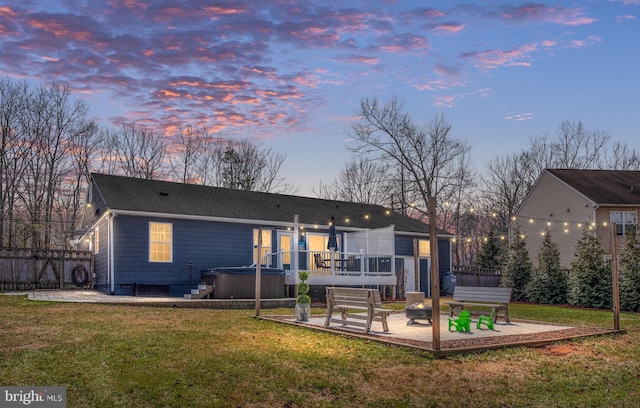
(134, 356)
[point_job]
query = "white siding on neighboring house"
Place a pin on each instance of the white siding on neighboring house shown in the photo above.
(603, 221)
(548, 207)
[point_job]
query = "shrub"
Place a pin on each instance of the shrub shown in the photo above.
(549, 282)
(518, 269)
(629, 272)
(303, 288)
(590, 279)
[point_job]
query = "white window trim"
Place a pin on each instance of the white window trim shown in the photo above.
(624, 220)
(170, 242)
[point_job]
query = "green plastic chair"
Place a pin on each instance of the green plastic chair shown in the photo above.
(486, 320)
(462, 323)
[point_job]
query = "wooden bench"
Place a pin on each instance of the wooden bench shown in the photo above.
(495, 298)
(346, 300)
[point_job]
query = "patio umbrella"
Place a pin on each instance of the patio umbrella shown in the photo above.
(333, 240)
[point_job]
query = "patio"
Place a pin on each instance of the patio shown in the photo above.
(513, 334)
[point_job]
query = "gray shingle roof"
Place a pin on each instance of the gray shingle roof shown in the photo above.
(133, 194)
(612, 187)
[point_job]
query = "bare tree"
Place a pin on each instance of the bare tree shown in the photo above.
(53, 124)
(140, 151)
(245, 165)
(504, 186)
(577, 147)
(186, 153)
(207, 166)
(361, 181)
(574, 148)
(70, 199)
(12, 155)
(621, 157)
(436, 164)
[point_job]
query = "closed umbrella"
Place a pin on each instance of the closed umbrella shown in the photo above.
(333, 240)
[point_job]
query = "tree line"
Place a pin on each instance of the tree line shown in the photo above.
(588, 283)
(50, 145)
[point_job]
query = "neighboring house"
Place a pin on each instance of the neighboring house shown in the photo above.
(565, 202)
(148, 232)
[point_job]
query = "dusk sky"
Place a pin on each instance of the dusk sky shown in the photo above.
(292, 73)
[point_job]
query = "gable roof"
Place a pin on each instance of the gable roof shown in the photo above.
(162, 197)
(603, 187)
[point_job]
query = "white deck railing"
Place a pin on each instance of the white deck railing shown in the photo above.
(335, 268)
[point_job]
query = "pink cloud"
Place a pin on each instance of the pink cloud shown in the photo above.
(558, 15)
(437, 85)
(445, 101)
(359, 59)
(490, 59)
(519, 117)
(448, 27)
(61, 26)
(590, 40)
(450, 101)
(452, 71)
(403, 42)
(218, 10)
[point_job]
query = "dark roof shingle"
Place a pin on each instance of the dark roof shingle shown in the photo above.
(612, 187)
(154, 196)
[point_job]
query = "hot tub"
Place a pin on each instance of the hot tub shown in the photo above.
(240, 282)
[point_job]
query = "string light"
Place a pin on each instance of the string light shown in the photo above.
(565, 227)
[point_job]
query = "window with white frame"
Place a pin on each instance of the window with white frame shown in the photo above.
(160, 242)
(626, 221)
(265, 246)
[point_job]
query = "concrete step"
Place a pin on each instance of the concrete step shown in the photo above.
(201, 292)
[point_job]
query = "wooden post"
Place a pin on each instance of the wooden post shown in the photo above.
(435, 273)
(62, 265)
(258, 272)
(416, 266)
(615, 282)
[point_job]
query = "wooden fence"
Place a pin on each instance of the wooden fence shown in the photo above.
(476, 276)
(29, 269)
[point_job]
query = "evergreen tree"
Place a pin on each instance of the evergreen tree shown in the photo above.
(549, 283)
(491, 253)
(518, 269)
(590, 280)
(629, 269)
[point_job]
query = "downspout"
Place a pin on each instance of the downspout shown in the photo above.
(111, 273)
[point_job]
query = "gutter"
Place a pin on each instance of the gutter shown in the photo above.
(110, 266)
(251, 222)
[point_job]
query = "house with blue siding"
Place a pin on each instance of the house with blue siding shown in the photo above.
(152, 236)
